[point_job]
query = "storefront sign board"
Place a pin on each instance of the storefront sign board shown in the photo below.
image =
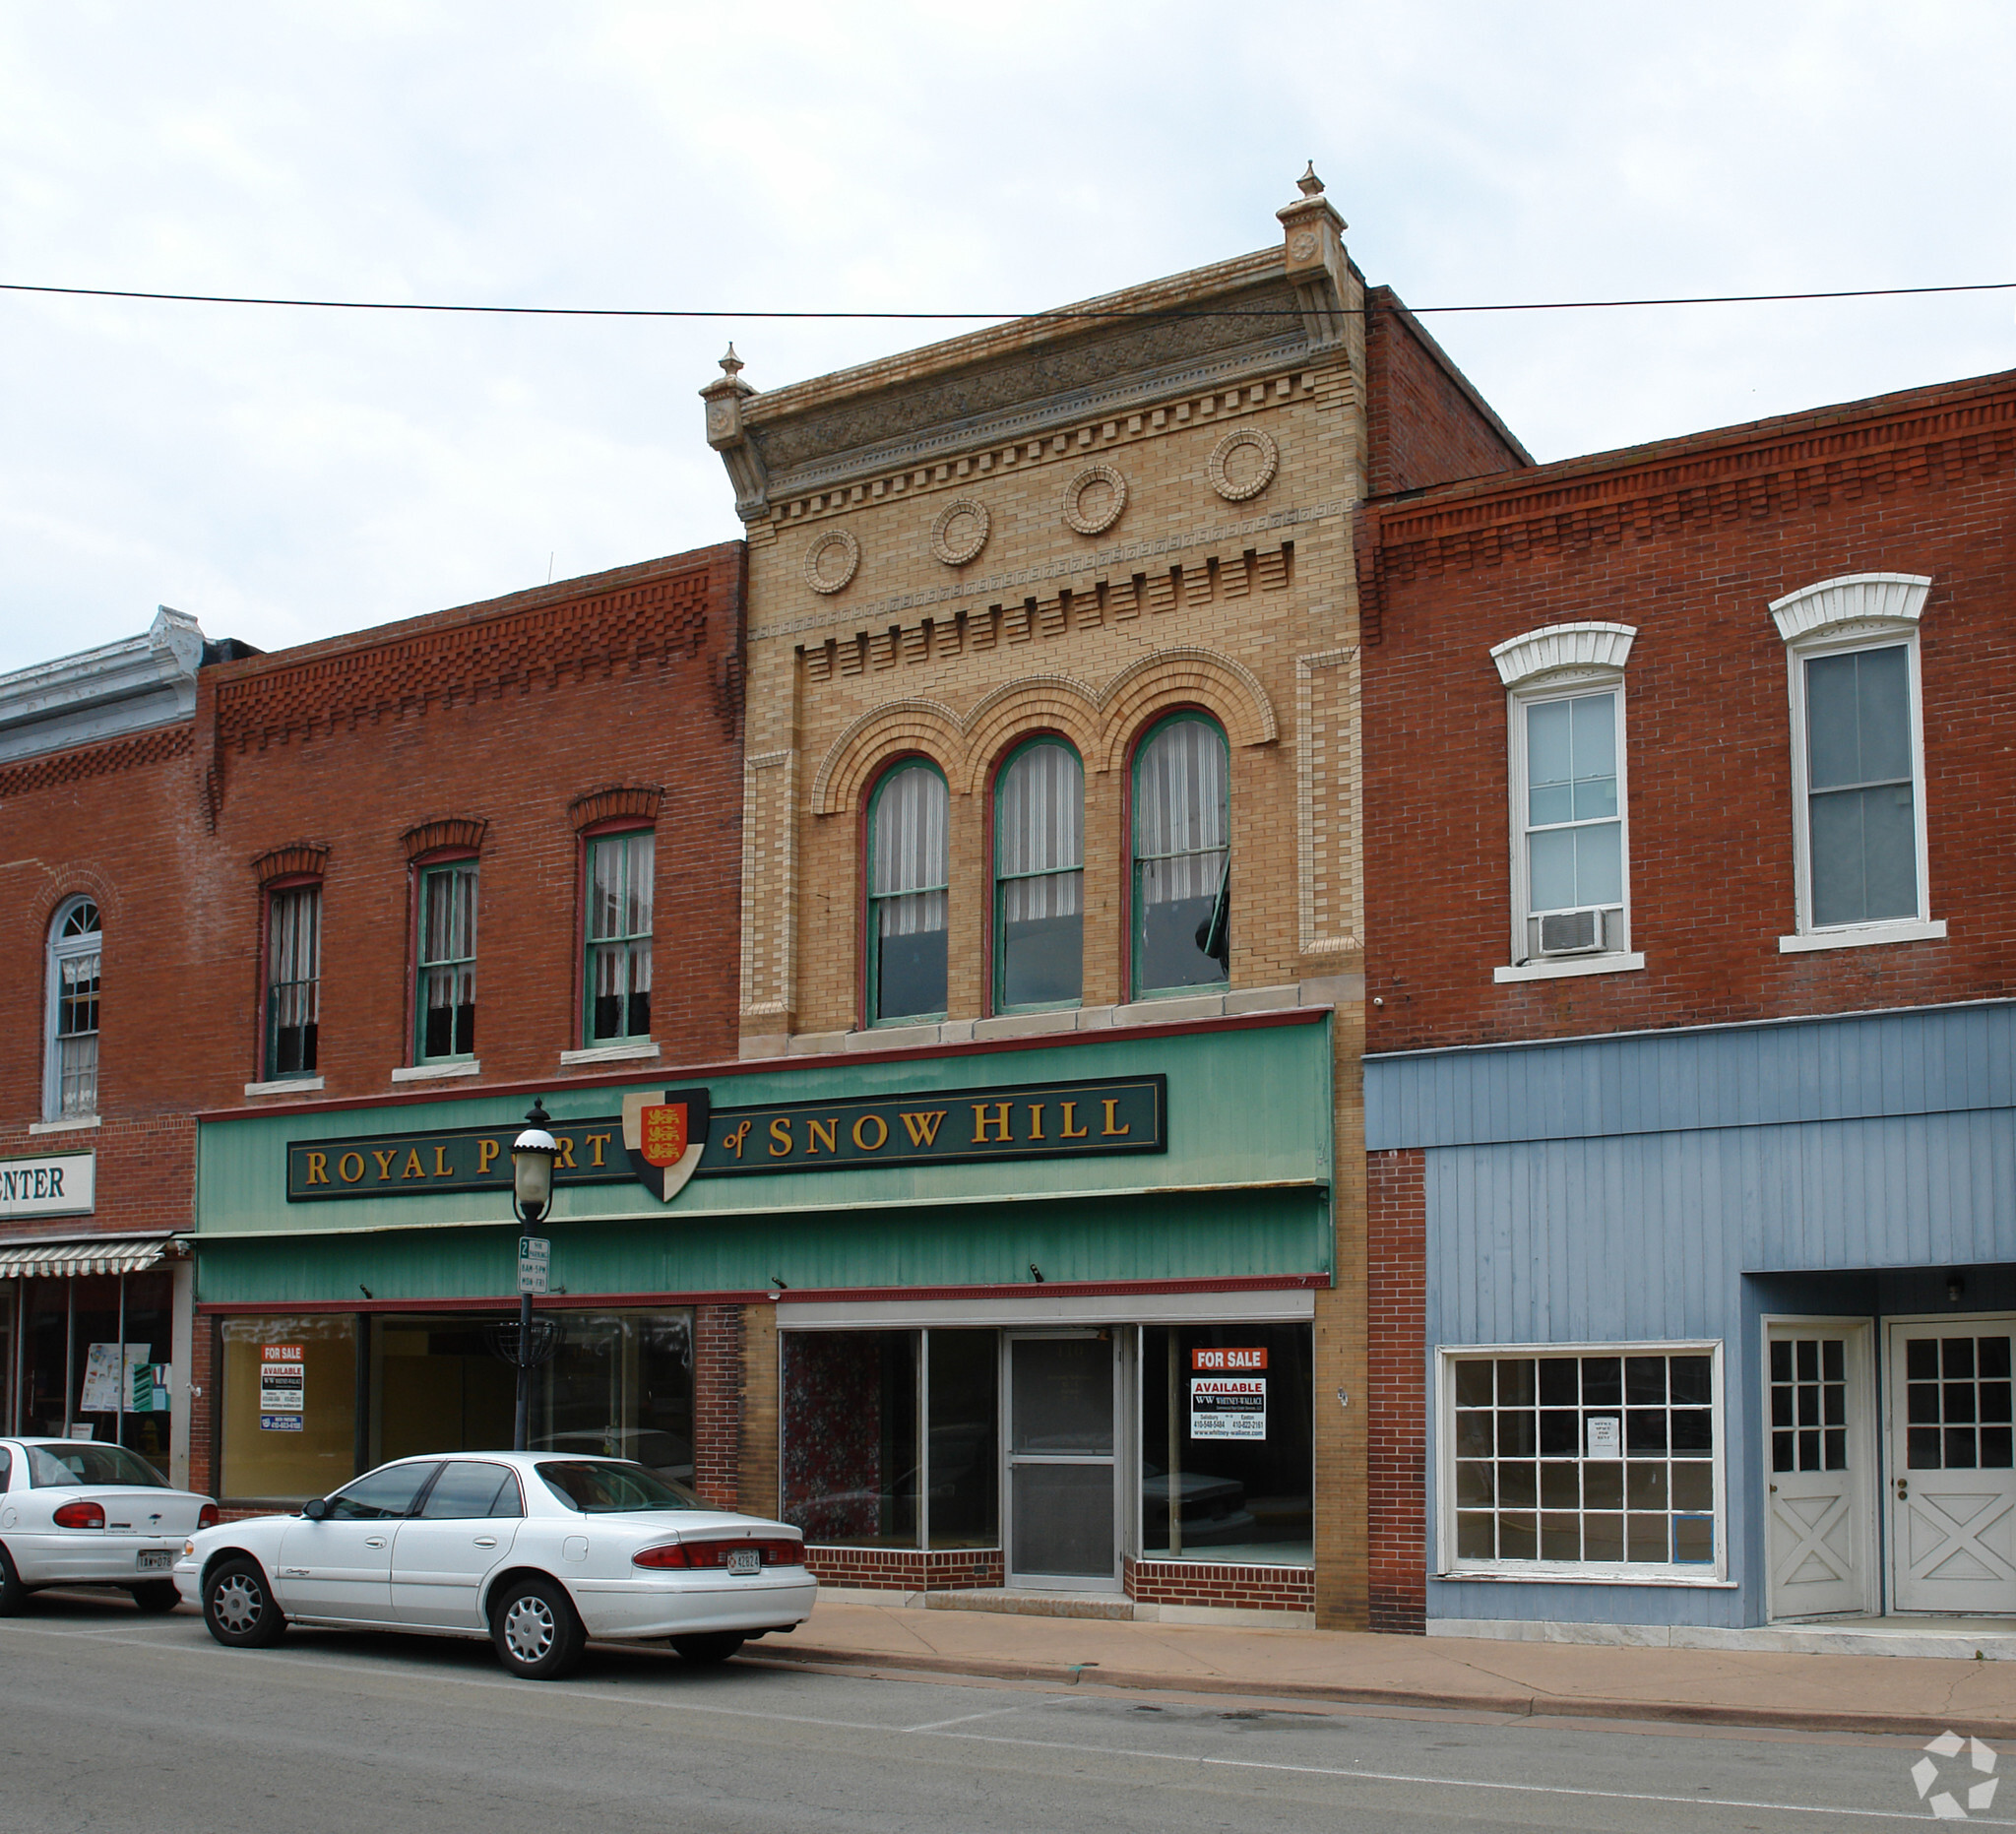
(1229, 1407)
(1099, 1118)
(47, 1185)
(282, 1387)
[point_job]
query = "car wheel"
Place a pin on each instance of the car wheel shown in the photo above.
(155, 1596)
(238, 1606)
(716, 1647)
(13, 1594)
(536, 1630)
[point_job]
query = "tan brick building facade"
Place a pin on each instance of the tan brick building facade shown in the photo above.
(1076, 524)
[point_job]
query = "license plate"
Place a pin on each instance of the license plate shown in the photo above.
(744, 1560)
(155, 1562)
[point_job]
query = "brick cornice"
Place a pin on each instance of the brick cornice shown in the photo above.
(101, 760)
(1925, 439)
(463, 833)
(615, 803)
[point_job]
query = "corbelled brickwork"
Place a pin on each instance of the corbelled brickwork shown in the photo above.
(1689, 542)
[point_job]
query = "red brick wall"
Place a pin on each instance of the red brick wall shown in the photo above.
(1396, 1228)
(1688, 542)
(718, 1404)
(1238, 1588)
(906, 1569)
(1425, 425)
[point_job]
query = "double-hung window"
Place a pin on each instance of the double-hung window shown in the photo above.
(908, 872)
(70, 1080)
(1570, 821)
(1600, 1460)
(1039, 878)
(1182, 858)
(293, 981)
(1858, 761)
(445, 1001)
(620, 878)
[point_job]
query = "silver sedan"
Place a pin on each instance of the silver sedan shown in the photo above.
(536, 1552)
(76, 1512)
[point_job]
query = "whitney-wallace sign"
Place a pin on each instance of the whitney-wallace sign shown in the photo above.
(664, 1137)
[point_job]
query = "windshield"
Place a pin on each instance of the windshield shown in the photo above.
(605, 1487)
(69, 1466)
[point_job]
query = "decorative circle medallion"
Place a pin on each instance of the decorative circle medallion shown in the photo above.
(1094, 499)
(831, 560)
(1242, 464)
(961, 531)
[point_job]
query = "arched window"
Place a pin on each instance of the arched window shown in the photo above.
(906, 876)
(1182, 857)
(71, 1078)
(1039, 878)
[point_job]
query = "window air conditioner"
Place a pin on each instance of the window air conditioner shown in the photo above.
(1571, 933)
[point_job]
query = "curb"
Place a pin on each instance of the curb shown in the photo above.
(1513, 1705)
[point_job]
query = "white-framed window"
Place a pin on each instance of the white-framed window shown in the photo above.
(1859, 863)
(1570, 813)
(70, 1076)
(621, 878)
(1582, 1461)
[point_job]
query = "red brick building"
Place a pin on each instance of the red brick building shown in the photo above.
(1688, 782)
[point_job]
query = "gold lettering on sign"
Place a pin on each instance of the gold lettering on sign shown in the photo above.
(861, 1127)
(734, 1138)
(486, 1151)
(982, 1120)
(385, 1160)
(599, 1141)
(343, 1165)
(442, 1168)
(565, 1163)
(412, 1168)
(1035, 1119)
(817, 1130)
(318, 1167)
(923, 1128)
(1111, 1103)
(1067, 1132)
(780, 1138)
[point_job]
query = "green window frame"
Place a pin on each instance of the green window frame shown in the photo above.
(908, 875)
(1181, 876)
(1039, 878)
(445, 994)
(620, 880)
(293, 981)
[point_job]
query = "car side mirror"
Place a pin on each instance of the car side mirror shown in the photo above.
(315, 1508)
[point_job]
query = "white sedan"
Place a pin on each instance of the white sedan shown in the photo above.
(535, 1551)
(74, 1512)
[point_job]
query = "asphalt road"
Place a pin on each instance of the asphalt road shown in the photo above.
(110, 1721)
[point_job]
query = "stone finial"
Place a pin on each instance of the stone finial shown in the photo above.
(1309, 184)
(733, 365)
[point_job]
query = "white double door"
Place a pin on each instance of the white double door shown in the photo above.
(1935, 1514)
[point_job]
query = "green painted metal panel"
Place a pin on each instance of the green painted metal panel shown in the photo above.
(1212, 1237)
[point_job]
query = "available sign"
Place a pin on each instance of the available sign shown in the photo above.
(1227, 1407)
(47, 1185)
(282, 1388)
(670, 1135)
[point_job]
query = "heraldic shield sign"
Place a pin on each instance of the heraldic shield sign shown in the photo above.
(664, 1132)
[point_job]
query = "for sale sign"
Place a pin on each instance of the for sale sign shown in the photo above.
(283, 1386)
(1227, 1407)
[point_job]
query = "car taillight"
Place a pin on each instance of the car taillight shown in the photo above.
(672, 1553)
(207, 1516)
(81, 1515)
(772, 1553)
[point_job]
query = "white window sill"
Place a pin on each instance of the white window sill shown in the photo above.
(1864, 936)
(286, 1086)
(1567, 966)
(636, 1051)
(63, 1127)
(1568, 1577)
(436, 1072)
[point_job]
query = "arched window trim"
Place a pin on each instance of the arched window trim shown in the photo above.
(83, 1078)
(1147, 737)
(871, 988)
(996, 880)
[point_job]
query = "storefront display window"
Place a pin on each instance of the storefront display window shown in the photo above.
(289, 1407)
(1227, 1468)
(70, 1362)
(851, 1436)
(963, 1372)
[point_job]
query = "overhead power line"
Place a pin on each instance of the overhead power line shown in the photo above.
(720, 312)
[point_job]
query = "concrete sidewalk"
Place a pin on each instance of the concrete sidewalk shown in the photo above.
(1767, 1688)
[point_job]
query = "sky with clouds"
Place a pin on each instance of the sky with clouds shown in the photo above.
(284, 476)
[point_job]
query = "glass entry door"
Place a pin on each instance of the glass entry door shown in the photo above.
(1819, 1451)
(1953, 1465)
(1063, 1515)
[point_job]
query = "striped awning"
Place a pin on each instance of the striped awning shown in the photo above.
(104, 1255)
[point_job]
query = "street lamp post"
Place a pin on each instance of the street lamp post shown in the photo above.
(532, 1154)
